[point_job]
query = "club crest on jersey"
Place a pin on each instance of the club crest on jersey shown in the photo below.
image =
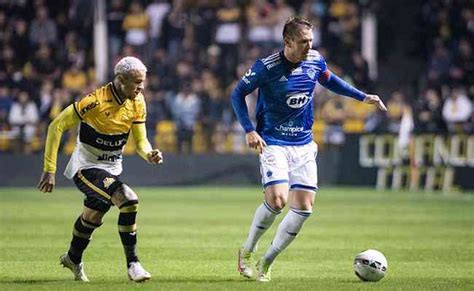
(297, 100)
(311, 73)
(108, 181)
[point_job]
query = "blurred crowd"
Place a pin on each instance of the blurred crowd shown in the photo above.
(196, 51)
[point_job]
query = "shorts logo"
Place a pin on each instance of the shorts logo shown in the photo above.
(269, 174)
(269, 160)
(108, 181)
(297, 100)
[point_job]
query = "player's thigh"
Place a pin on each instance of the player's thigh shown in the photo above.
(273, 166)
(124, 194)
(274, 171)
(303, 173)
(98, 187)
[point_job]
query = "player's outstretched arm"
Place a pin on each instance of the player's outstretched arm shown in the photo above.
(331, 81)
(65, 120)
(375, 99)
(144, 149)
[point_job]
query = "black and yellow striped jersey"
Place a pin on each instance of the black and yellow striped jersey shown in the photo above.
(106, 113)
(105, 121)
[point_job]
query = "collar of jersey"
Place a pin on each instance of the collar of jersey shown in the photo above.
(115, 94)
(287, 62)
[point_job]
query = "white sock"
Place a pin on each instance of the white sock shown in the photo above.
(263, 219)
(286, 233)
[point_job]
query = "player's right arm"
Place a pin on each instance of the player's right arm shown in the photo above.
(249, 82)
(66, 119)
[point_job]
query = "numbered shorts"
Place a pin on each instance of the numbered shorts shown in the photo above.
(98, 186)
(295, 165)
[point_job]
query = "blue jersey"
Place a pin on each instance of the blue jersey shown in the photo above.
(284, 110)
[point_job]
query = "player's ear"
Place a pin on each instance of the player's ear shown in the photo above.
(120, 78)
(287, 41)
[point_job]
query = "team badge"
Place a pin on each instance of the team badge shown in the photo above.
(311, 73)
(108, 181)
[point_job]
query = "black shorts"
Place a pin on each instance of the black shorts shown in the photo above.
(98, 185)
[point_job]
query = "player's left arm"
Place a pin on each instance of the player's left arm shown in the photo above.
(66, 120)
(144, 149)
(332, 82)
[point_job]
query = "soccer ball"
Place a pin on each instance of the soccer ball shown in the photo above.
(370, 265)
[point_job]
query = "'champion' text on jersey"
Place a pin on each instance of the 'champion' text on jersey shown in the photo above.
(284, 110)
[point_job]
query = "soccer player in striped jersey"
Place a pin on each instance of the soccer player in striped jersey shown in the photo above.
(105, 118)
(283, 136)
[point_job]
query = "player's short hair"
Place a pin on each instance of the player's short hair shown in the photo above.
(294, 24)
(127, 64)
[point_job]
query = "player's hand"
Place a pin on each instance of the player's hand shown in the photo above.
(155, 157)
(47, 182)
(375, 99)
(255, 141)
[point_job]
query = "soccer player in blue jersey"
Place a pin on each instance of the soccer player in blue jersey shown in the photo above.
(283, 136)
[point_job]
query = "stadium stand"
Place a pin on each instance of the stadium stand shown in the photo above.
(195, 50)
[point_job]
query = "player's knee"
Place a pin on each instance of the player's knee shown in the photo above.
(277, 201)
(307, 205)
(92, 215)
(124, 196)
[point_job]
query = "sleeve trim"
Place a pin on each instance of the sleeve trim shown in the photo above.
(75, 110)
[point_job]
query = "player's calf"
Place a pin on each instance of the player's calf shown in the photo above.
(81, 237)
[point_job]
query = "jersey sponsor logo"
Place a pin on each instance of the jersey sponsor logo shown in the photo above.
(109, 158)
(111, 143)
(297, 100)
(291, 130)
(247, 75)
(105, 142)
(89, 107)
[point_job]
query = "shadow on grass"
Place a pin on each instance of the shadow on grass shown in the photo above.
(35, 281)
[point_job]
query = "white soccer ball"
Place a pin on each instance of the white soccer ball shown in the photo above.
(370, 265)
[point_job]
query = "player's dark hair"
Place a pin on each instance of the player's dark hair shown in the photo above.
(294, 24)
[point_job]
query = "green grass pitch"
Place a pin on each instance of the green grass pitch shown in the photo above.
(189, 237)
